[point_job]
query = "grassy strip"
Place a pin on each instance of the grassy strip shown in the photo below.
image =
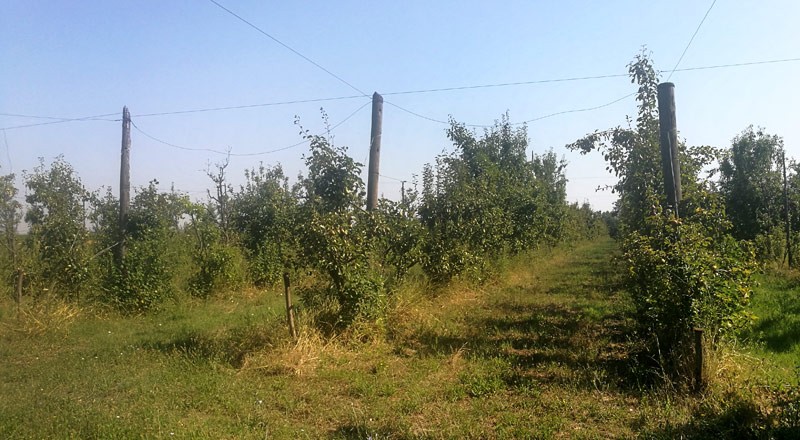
(540, 353)
(774, 338)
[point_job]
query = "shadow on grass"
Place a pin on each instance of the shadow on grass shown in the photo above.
(227, 347)
(736, 421)
(575, 333)
(777, 305)
(739, 419)
(779, 333)
(359, 432)
(563, 344)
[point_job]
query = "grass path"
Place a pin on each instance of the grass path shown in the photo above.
(775, 337)
(538, 354)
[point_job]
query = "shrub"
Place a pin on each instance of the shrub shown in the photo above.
(262, 214)
(58, 238)
(145, 276)
(487, 199)
(218, 265)
(681, 273)
(337, 237)
(10, 215)
(682, 276)
(339, 246)
(400, 237)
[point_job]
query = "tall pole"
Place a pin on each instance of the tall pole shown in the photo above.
(786, 210)
(668, 140)
(375, 151)
(124, 185)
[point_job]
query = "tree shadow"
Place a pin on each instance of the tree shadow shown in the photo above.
(563, 344)
(779, 333)
(360, 431)
(739, 419)
(573, 329)
(580, 343)
(229, 347)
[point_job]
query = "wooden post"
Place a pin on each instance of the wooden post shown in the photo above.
(11, 242)
(699, 382)
(20, 278)
(289, 306)
(668, 140)
(124, 186)
(788, 214)
(375, 151)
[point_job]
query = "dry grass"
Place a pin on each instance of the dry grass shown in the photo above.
(296, 358)
(40, 317)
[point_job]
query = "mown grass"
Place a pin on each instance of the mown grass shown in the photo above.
(542, 352)
(775, 336)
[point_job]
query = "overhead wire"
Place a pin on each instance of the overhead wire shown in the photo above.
(59, 120)
(416, 114)
(587, 109)
(169, 144)
(507, 84)
(229, 153)
(723, 66)
(692, 39)
(55, 120)
(104, 117)
(263, 32)
(550, 115)
(244, 106)
(17, 115)
(392, 178)
(685, 69)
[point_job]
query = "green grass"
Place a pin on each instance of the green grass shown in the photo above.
(539, 353)
(775, 336)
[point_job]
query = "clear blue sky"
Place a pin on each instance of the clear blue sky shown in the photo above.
(81, 58)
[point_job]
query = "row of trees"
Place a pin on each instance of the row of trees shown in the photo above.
(761, 189)
(484, 200)
(694, 270)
